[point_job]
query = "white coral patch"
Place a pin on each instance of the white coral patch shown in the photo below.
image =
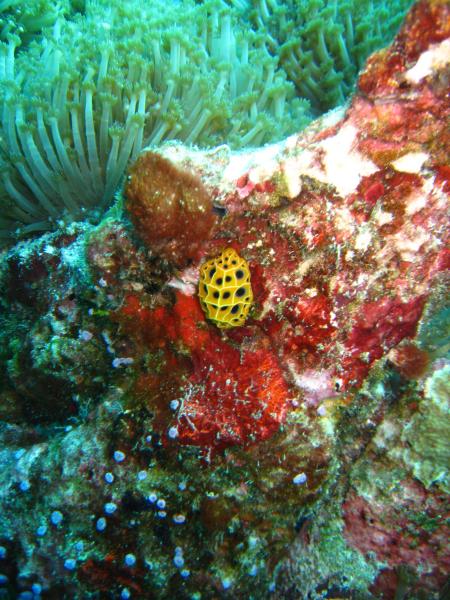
(308, 164)
(344, 166)
(260, 164)
(416, 202)
(437, 388)
(315, 384)
(333, 160)
(363, 239)
(382, 217)
(292, 179)
(411, 162)
(304, 267)
(437, 57)
(186, 281)
(344, 221)
(409, 246)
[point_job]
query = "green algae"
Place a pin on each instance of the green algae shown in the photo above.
(427, 452)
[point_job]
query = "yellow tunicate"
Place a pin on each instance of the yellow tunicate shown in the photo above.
(225, 290)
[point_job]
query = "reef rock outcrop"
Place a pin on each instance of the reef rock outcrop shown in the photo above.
(148, 453)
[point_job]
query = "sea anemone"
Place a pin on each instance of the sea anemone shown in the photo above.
(323, 44)
(82, 102)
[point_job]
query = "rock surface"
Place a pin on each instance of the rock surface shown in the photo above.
(302, 455)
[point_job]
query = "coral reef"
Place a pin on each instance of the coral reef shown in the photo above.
(148, 453)
(396, 507)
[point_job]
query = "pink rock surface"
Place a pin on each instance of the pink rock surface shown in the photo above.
(345, 230)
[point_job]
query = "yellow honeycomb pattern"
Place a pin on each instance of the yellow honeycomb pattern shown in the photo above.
(225, 290)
